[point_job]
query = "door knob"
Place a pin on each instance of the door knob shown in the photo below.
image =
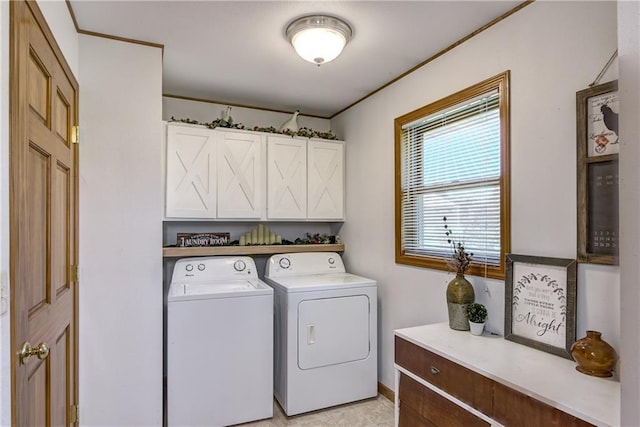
(41, 350)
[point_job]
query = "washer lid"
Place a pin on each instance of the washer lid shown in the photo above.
(320, 282)
(233, 289)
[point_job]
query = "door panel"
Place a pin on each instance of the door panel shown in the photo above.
(37, 198)
(191, 173)
(60, 214)
(62, 125)
(60, 362)
(333, 331)
(286, 178)
(326, 180)
(240, 174)
(43, 222)
(37, 381)
(38, 87)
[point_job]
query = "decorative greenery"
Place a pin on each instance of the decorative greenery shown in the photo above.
(315, 239)
(189, 121)
(460, 259)
(303, 131)
(521, 286)
(476, 313)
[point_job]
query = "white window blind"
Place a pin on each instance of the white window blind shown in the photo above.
(451, 168)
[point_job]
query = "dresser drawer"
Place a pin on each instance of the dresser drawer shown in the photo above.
(424, 407)
(456, 380)
(513, 408)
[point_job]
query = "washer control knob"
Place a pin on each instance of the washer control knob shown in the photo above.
(285, 263)
(332, 261)
(201, 267)
(239, 265)
(189, 267)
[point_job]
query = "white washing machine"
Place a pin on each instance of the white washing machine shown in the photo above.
(325, 332)
(219, 343)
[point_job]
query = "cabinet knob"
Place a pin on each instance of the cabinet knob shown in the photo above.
(434, 370)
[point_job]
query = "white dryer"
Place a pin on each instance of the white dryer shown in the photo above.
(219, 343)
(325, 332)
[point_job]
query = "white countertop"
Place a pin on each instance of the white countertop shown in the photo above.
(548, 378)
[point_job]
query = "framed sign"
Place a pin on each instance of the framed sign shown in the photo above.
(597, 110)
(185, 240)
(540, 303)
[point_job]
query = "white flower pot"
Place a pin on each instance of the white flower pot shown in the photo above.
(476, 328)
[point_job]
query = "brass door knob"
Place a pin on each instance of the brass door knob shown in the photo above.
(41, 351)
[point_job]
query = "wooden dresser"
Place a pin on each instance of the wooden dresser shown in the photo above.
(452, 378)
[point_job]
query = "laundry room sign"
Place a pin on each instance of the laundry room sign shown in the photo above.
(202, 239)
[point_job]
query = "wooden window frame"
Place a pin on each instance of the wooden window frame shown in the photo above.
(500, 83)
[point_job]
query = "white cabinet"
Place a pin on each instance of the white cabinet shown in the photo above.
(191, 173)
(214, 174)
(240, 164)
(305, 179)
(242, 175)
(286, 178)
(325, 180)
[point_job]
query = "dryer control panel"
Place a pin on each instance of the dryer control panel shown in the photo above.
(304, 263)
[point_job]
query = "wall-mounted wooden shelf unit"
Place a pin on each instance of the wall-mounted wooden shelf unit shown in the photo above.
(174, 252)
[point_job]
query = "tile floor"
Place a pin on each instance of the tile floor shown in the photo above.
(376, 412)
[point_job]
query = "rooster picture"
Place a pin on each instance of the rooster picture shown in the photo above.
(610, 119)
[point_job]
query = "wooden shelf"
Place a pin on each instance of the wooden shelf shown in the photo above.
(248, 250)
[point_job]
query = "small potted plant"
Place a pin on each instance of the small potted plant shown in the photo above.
(477, 314)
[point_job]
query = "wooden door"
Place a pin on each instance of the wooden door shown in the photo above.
(286, 177)
(191, 172)
(325, 180)
(44, 220)
(240, 157)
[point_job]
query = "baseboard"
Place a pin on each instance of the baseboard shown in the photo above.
(386, 392)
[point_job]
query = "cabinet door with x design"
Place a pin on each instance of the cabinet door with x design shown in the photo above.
(325, 196)
(286, 177)
(240, 164)
(191, 172)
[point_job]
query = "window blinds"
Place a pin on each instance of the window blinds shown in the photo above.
(451, 168)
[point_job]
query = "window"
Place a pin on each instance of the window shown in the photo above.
(452, 160)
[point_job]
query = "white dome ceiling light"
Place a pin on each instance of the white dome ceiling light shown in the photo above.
(319, 38)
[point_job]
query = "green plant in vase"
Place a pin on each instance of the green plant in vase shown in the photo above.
(460, 292)
(477, 315)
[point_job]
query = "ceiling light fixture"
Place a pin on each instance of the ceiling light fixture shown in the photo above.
(319, 38)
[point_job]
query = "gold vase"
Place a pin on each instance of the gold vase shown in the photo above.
(459, 294)
(594, 355)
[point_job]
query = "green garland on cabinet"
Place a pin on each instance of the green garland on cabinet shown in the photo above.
(303, 131)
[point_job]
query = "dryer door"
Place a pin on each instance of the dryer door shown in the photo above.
(333, 331)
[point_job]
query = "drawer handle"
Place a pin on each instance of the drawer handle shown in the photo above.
(434, 370)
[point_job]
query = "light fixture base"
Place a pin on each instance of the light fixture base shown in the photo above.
(319, 38)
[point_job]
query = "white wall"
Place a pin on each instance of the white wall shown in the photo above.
(250, 117)
(120, 233)
(629, 87)
(553, 50)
